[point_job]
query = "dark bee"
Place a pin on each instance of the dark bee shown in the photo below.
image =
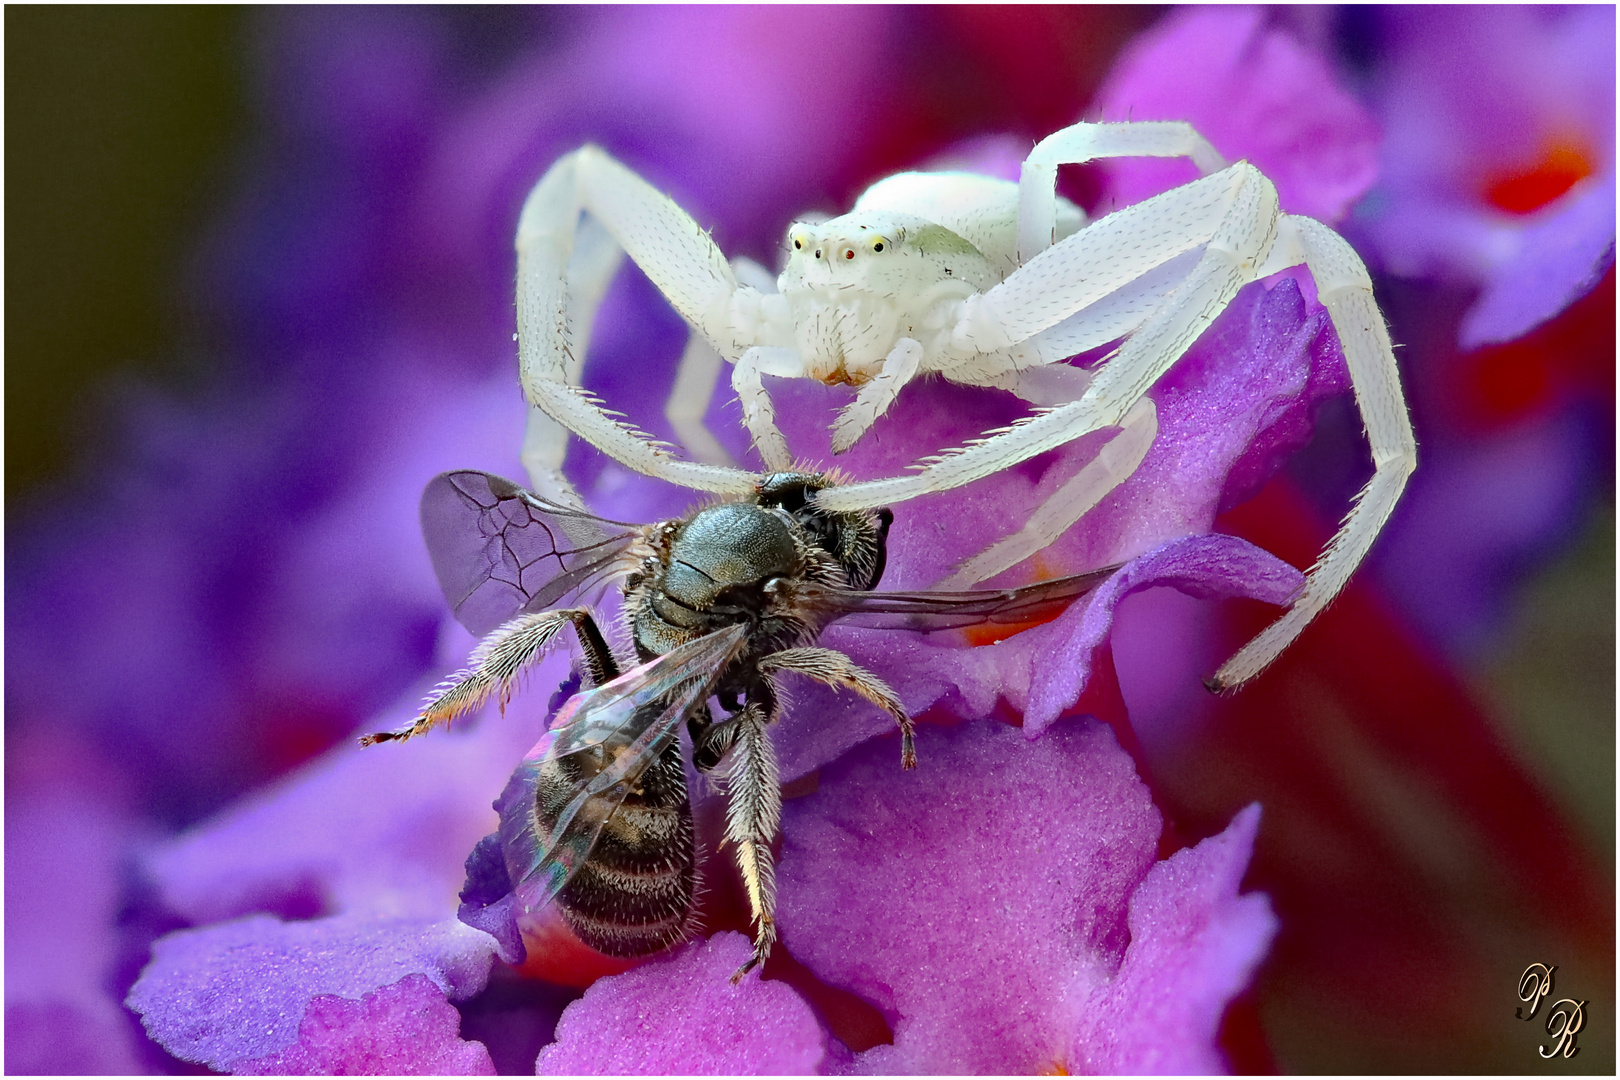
(716, 603)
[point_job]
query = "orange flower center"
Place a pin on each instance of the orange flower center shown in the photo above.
(1562, 166)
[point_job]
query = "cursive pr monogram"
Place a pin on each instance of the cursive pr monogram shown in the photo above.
(1566, 1019)
(1535, 984)
(1564, 1023)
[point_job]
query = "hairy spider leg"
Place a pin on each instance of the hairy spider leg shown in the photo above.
(1345, 289)
(670, 248)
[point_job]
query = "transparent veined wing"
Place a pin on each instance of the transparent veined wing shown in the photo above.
(499, 550)
(614, 733)
(931, 611)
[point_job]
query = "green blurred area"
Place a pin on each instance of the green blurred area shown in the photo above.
(1552, 680)
(121, 124)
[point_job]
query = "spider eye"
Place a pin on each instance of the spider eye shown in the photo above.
(798, 245)
(878, 246)
(849, 253)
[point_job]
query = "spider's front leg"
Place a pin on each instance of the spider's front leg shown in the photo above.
(596, 258)
(874, 398)
(1231, 215)
(673, 251)
(1080, 143)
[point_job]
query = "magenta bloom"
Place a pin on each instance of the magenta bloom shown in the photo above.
(1498, 167)
(1140, 983)
(993, 939)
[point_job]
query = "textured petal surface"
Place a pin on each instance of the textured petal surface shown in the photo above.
(406, 1029)
(987, 902)
(1255, 93)
(241, 990)
(1195, 944)
(683, 1015)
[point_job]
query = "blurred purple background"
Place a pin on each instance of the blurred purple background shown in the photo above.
(260, 278)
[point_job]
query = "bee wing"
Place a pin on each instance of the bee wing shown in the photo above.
(931, 611)
(499, 550)
(623, 726)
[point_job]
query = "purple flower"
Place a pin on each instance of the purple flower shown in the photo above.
(683, 1015)
(1498, 167)
(255, 590)
(1135, 988)
(1031, 931)
(1024, 931)
(1257, 94)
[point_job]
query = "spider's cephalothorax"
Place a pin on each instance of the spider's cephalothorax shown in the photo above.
(984, 281)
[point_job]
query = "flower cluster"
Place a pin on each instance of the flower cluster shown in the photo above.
(193, 840)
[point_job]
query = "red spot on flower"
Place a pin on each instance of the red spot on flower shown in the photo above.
(1572, 353)
(556, 955)
(1561, 167)
(991, 633)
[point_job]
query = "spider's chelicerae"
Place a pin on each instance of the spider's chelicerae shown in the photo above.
(988, 283)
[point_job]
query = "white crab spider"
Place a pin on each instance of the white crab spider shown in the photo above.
(988, 283)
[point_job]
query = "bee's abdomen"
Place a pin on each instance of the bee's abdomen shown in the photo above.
(634, 894)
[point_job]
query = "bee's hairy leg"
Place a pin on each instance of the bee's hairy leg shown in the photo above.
(710, 740)
(599, 662)
(753, 815)
(837, 670)
(496, 663)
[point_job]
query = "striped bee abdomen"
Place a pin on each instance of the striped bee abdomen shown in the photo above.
(634, 894)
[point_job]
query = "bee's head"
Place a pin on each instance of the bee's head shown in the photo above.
(856, 539)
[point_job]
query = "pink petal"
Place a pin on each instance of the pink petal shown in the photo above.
(979, 901)
(407, 1028)
(1195, 944)
(238, 992)
(1255, 93)
(684, 1015)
